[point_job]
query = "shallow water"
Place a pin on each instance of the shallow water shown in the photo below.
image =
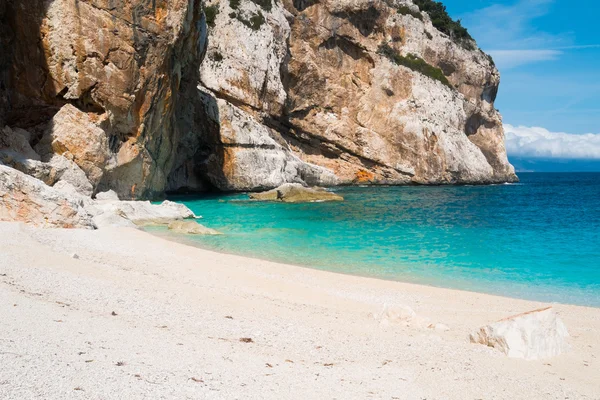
(538, 240)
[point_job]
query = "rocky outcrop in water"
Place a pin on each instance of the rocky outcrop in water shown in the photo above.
(296, 193)
(145, 97)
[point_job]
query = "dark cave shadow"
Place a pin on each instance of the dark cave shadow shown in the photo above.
(28, 98)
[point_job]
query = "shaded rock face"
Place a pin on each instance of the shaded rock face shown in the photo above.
(100, 82)
(312, 74)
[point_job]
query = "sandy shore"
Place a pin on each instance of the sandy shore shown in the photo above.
(134, 316)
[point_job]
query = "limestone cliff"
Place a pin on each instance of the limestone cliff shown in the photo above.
(101, 82)
(323, 79)
(148, 96)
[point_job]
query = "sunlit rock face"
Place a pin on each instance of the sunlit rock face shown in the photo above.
(101, 81)
(314, 75)
(144, 97)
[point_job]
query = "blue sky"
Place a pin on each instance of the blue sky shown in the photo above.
(548, 53)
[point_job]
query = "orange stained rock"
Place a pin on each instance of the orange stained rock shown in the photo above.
(364, 176)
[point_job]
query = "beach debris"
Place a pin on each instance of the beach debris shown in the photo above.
(296, 193)
(191, 228)
(228, 317)
(246, 340)
(439, 327)
(114, 314)
(404, 315)
(75, 256)
(269, 365)
(199, 380)
(121, 363)
(532, 335)
(391, 314)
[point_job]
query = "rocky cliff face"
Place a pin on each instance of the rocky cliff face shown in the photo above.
(146, 96)
(322, 78)
(100, 82)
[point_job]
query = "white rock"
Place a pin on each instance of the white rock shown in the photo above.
(138, 212)
(112, 220)
(439, 327)
(532, 335)
(396, 314)
(26, 199)
(110, 195)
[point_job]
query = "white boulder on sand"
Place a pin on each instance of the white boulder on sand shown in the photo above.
(27, 199)
(141, 212)
(24, 198)
(532, 335)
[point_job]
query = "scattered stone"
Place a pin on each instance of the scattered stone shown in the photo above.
(191, 228)
(296, 193)
(75, 256)
(533, 335)
(110, 195)
(404, 315)
(114, 314)
(246, 340)
(439, 327)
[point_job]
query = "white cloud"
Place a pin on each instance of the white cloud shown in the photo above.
(509, 33)
(505, 59)
(536, 142)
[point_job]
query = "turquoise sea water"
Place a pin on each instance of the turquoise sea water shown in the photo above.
(539, 239)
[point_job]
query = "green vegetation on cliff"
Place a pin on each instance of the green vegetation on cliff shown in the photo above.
(415, 63)
(405, 10)
(211, 14)
(444, 23)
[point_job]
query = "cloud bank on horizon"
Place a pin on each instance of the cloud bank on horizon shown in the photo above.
(536, 142)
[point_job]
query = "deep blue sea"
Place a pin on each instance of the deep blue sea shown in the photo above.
(539, 239)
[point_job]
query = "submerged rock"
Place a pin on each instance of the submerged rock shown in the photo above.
(191, 228)
(532, 335)
(296, 193)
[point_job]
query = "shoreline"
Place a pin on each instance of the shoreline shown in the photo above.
(153, 317)
(186, 240)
